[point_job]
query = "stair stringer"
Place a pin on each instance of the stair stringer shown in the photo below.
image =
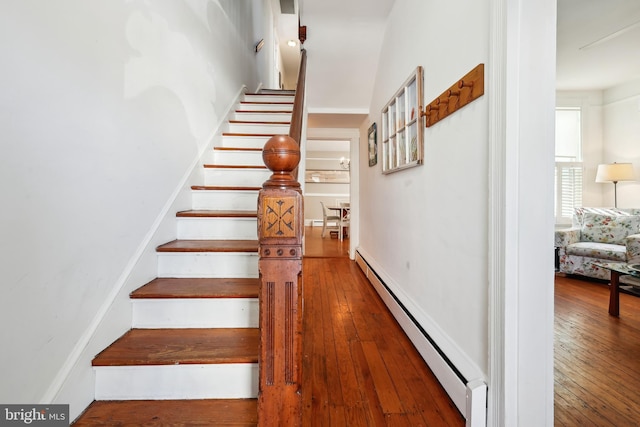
(74, 384)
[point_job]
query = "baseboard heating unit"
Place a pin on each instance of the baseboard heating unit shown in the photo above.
(469, 395)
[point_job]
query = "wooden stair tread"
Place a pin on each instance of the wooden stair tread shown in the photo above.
(204, 213)
(140, 347)
(265, 103)
(248, 134)
(224, 188)
(199, 288)
(201, 412)
(236, 149)
(274, 92)
(217, 166)
(209, 246)
(252, 122)
(264, 111)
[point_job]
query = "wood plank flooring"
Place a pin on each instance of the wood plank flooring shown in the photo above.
(597, 356)
(317, 246)
(359, 369)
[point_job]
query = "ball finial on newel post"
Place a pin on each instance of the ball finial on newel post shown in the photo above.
(281, 154)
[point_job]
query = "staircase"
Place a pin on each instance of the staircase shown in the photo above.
(191, 355)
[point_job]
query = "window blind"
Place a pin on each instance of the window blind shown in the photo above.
(568, 188)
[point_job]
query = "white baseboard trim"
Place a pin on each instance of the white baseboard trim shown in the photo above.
(469, 396)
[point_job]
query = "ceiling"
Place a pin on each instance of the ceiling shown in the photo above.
(598, 43)
(343, 45)
(598, 46)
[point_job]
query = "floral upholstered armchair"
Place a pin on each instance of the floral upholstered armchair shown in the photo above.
(598, 234)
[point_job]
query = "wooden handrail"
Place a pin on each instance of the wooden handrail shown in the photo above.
(295, 131)
(280, 234)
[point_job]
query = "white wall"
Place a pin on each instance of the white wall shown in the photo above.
(621, 111)
(428, 224)
(106, 107)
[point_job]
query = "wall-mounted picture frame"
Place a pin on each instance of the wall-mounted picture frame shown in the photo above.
(402, 129)
(373, 145)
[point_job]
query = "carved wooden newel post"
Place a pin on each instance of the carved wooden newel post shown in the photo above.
(280, 231)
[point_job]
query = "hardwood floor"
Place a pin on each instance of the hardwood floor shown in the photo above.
(359, 369)
(597, 356)
(327, 247)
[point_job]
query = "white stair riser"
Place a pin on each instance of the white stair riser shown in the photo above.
(269, 98)
(236, 158)
(195, 313)
(265, 107)
(263, 117)
(222, 381)
(207, 264)
(218, 228)
(224, 200)
(259, 128)
(244, 141)
(236, 177)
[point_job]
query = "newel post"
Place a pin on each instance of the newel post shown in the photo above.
(280, 232)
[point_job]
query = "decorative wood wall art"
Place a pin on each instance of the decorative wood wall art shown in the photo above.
(467, 89)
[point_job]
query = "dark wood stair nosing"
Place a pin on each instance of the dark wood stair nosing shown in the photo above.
(257, 135)
(265, 103)
(244, 167)
(197, 288)
(184, 346)
(206, 213)
(286, 93)
(265, 111)
(236, 149)
(209, 246)
(197, 412)
(251, 122)
(224, 188)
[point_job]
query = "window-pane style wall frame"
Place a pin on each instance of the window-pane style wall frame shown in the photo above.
(402, 130)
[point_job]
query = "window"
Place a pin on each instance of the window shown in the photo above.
(569, 167)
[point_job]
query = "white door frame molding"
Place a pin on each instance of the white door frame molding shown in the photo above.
(521, 82)
(353, 135)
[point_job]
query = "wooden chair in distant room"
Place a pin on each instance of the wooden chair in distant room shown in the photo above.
(345, 217)
(329, 222)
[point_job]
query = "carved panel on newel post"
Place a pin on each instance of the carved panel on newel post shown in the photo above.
(280, 232)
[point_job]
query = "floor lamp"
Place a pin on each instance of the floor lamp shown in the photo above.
(615, 172)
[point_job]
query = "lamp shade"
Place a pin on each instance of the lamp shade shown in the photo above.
(615, 172)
